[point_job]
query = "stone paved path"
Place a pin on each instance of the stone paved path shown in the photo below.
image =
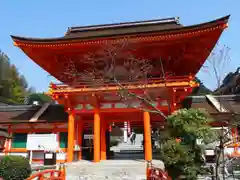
(110, 169)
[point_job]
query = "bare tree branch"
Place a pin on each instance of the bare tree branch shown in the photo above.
(216, 63)
(142, 99)
(116, 64)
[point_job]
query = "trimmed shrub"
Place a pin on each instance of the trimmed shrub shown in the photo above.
(15, 168)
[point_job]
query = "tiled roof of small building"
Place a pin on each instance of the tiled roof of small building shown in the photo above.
(17, 113)
(230, 102)
(54, 113)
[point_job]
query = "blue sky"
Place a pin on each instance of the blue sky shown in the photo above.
(51, 18)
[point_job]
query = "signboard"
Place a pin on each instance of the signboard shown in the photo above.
(46, 142)
(210, 152)
(88, 136)
(48, 156)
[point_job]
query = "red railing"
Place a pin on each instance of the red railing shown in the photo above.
(60, 86)
(154, 173)
(50, 174)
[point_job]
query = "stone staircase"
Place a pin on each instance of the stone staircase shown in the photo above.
(109, 169)
(128, 148)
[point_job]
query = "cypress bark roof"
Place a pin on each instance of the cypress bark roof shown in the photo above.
(230, 102)
(128, 28)
(10, 114)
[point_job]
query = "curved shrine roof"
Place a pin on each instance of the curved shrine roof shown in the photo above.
(89, 32)
(186, 46)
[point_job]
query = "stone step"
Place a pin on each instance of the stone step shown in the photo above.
(109, 169)
(129, 152)
(129, 145)
(127, 148)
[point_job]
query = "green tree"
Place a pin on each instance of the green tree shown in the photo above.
(13, 86)
(40, 97)
(185, 158)
(201, 89)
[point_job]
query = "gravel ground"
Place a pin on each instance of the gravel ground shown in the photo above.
(110, 169)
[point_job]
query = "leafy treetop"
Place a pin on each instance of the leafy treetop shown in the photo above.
(40, 97)
(184, 158)
(13, 86)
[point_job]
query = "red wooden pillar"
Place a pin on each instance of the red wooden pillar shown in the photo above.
(103, 140)
(147, 136)
(79, 139)
(70, 149)
(97, 134)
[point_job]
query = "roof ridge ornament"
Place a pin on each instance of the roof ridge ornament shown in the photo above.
(67, 32)
(177, 19)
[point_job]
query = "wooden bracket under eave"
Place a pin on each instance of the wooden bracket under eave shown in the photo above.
(69, 103)
(95, 102)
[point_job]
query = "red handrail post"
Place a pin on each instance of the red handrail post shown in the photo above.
(41, 177)
(148, 170)
(62, 172)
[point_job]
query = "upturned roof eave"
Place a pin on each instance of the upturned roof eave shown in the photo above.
(66, 38)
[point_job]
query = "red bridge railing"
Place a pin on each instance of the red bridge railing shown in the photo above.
(50, 174)
(155, 173)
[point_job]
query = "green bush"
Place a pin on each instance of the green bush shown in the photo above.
(184, 159)
(15, 168)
